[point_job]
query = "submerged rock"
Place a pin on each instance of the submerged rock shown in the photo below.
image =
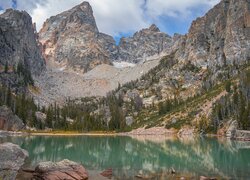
(107, 173)
(64, 169)
(12, 157)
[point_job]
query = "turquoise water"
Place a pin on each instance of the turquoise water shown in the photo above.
(146, 155)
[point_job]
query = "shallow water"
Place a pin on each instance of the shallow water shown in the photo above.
(152, 156)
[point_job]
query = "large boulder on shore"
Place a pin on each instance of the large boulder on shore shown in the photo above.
(64, 169)
(230, 133)
(12, 157)
(9, 121)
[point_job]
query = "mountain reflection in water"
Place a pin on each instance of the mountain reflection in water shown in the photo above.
(129, 156)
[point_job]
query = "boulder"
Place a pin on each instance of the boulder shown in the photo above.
(64, 169)
(186, 131)
(129, 120)
(40, 117)
(9, 121)
(230, 133)
(12, 157)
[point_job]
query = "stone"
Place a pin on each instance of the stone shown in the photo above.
(186, 131)
(242, 135)
(40, 117)
(9, 121)
(108, 173)
(230, 133)
(129, 120)
(12, 157)
(64, 169)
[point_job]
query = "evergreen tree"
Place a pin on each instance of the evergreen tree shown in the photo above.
(6, 67)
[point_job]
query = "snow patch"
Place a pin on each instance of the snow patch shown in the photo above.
(123, 64)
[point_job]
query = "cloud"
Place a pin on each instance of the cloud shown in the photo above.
(117, 17)
(176, 8)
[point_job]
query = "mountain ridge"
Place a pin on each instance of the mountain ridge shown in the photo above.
(62, 35)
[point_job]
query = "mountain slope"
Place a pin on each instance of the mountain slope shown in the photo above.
(18, 41)
(71, 39)
(20, 55)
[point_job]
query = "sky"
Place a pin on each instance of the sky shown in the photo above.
(122, 17)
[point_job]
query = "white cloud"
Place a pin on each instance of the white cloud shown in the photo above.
(113, 16)
(176, 8)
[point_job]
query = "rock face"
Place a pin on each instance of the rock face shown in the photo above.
(9, 121)
(61, 170)
(18, 41)
(12, 157)
(72, 39)
(145, 43)
(221, 37)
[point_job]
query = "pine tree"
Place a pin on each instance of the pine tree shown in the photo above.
(6, 67)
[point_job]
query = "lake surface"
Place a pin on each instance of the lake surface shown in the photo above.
(143, 155)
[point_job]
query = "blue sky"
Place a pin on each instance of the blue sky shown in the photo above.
(122, 17)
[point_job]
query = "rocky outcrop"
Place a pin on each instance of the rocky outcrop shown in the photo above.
(12, 157)
(220, 37)
(64, 169)
(230, 132)
(9, 121)
(71, 39)
(186, 131)
(145, 43)
(18, 42)
(242, 135)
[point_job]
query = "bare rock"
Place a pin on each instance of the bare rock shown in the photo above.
(12, 157)
(9, 121)
(186, 131)
(220, 37)
(107, 173)
(144, 43)
(18, 41)
(40, 117)
(230, 133)
(64, 169)
(71, 39)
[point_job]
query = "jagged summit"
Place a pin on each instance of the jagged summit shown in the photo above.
(154, 28)
(71, 39)
(144, 43)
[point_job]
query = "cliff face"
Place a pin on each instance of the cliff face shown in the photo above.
(145, 43)
(72, 39)
(221, 37)
(18, 41)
